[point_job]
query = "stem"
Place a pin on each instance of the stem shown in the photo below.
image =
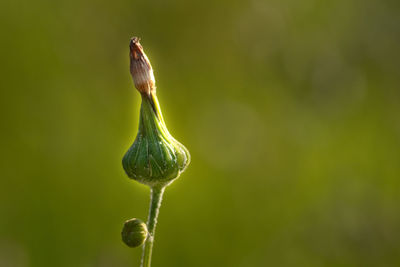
(155, 203)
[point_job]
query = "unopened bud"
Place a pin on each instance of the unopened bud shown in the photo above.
(134, 233)
(155, 158)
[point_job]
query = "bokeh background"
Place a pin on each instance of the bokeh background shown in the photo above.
(290, 110)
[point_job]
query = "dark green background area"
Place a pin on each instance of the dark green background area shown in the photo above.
(290, 110)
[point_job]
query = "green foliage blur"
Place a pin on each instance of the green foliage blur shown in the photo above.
(290, 110)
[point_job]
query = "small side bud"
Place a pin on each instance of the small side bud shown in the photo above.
(141, 70)
(134, 233)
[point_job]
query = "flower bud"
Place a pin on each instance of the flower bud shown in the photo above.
(155, 158)
(134, 233)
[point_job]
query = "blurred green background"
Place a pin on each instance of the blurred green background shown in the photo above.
(290, 110)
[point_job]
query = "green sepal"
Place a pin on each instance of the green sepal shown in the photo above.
(155, 158)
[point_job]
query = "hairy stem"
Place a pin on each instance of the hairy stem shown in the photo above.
(155, 203)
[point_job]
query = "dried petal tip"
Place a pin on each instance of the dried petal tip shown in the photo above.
(141, 70)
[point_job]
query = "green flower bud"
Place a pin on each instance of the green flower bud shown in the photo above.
(155, 158)
(134, 233)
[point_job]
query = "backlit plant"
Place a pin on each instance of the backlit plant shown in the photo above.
(155, 158)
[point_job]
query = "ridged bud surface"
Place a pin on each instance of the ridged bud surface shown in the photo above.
(134, 233)
(155, 158)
